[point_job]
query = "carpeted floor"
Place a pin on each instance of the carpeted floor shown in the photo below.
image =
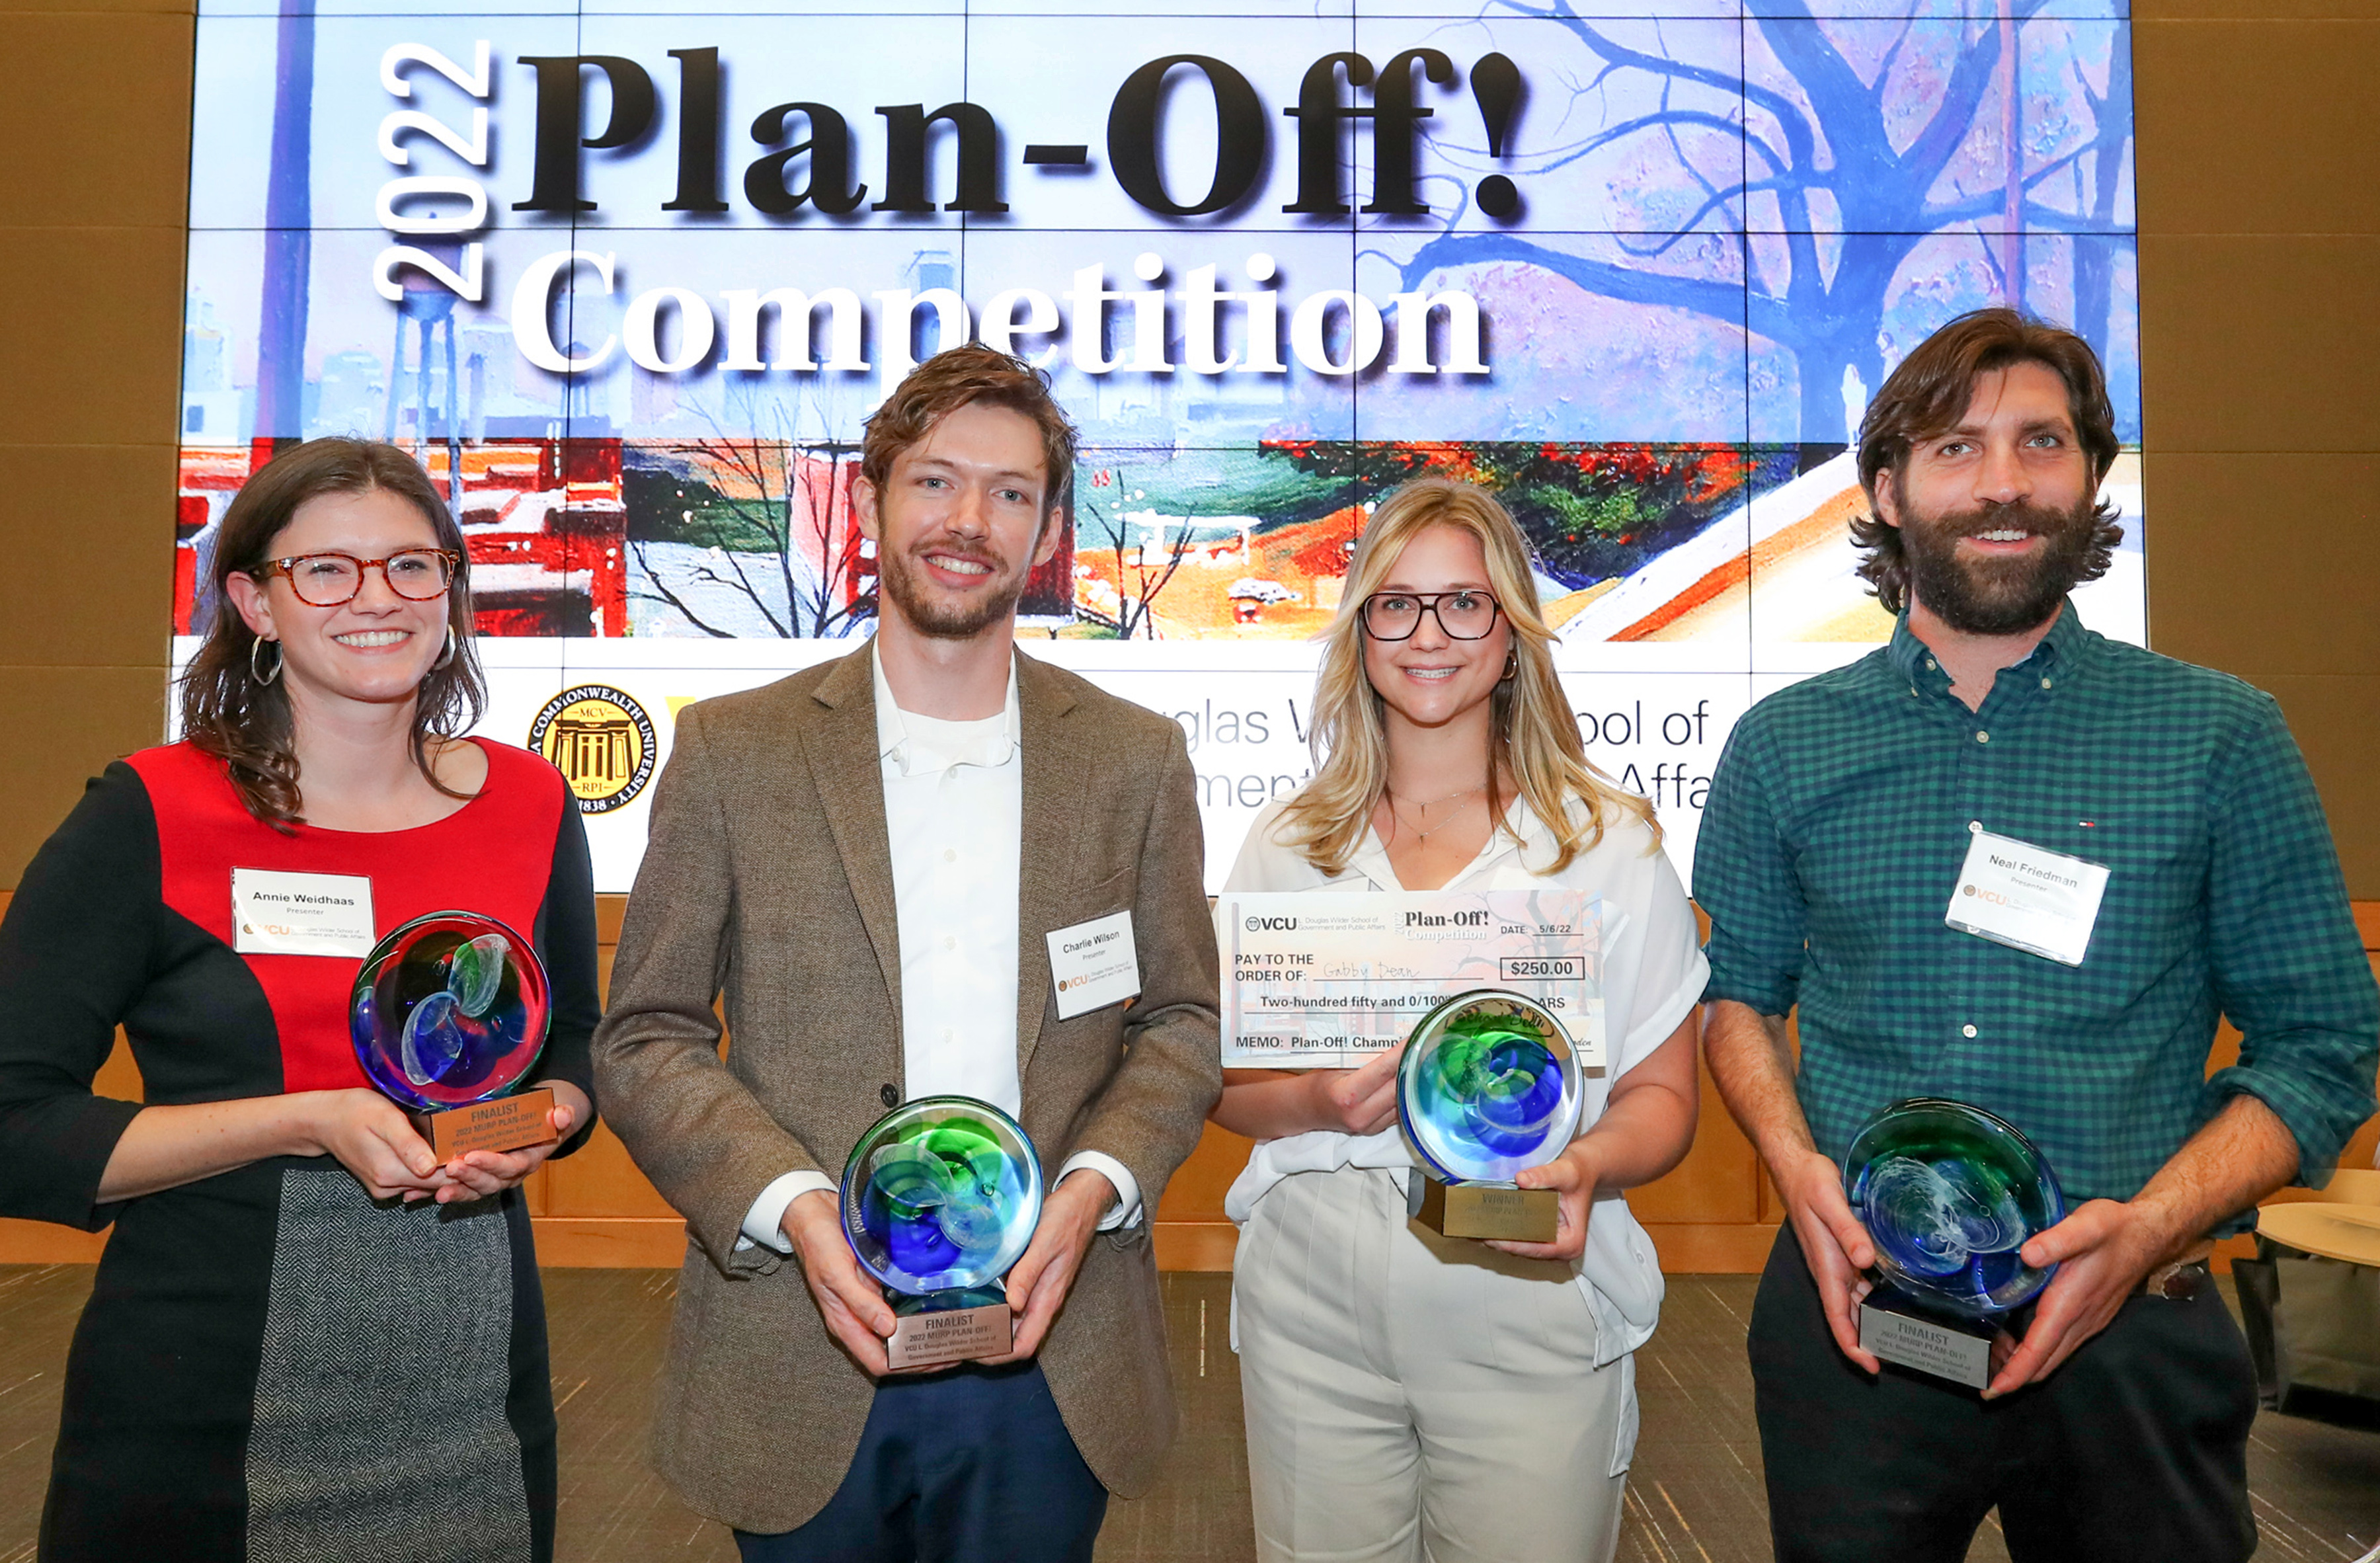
(1695, 1495)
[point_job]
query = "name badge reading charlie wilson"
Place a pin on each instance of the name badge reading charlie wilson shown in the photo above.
(2027, 897)
(281, 914)
(1093, 965)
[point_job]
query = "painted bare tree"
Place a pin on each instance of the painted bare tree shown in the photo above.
(1842, 169)
(1138, 579)
(794, 499)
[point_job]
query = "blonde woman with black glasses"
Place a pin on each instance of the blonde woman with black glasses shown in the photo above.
(1407, 1395)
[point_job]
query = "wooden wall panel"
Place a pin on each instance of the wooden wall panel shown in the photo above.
(2259, 273)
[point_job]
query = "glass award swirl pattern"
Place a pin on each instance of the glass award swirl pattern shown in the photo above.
(1950, 1192)
(1489, 1084)
(449, 1010)
(942, 1194)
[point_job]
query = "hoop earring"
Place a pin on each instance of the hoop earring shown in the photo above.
(1512, 666)
(446, 656)
(255, 654)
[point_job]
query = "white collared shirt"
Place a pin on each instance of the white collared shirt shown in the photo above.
(1653, 977)
(954, 819)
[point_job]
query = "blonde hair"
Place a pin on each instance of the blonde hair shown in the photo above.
(1534, 734)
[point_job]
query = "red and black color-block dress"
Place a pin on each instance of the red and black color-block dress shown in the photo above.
(272, 1367)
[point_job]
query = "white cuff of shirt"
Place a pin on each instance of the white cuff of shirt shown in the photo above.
(764, 1223)
(1125, 1212)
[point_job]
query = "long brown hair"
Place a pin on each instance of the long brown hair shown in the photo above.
(1535, 734)
(1929, 393)
(227, 712)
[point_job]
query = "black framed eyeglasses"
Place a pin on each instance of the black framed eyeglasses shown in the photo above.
(1464, 615)
(328, 581)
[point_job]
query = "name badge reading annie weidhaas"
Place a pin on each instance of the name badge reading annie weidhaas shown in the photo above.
(1093, 965)
(279, 914)
(2027, 897)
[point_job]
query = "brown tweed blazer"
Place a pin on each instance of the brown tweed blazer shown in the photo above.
(768, 879)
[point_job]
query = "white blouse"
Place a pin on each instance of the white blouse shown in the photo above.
(1653, 977)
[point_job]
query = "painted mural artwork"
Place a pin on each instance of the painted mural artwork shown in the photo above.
(629, 286)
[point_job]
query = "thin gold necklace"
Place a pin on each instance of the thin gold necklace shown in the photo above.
(1422, 835)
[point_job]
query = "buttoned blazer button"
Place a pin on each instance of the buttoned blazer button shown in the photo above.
(890, 1095)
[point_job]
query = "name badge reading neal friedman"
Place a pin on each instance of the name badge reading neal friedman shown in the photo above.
(2027, 897)
(281, 914)
(1093, 965)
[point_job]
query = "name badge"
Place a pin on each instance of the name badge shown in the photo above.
(278, 913)
(2027, 897)
(1093, 965)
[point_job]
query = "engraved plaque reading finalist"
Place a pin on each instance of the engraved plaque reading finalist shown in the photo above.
(1944, 1350)
(1325, 981)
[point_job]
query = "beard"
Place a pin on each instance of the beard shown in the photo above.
(1979, 596)
(912, 592)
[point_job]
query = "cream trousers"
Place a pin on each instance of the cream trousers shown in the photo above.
(1411, 1397)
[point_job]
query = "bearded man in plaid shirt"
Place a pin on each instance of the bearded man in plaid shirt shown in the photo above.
(2115, 1424)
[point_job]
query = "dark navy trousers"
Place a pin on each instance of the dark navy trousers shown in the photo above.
(967, 1465)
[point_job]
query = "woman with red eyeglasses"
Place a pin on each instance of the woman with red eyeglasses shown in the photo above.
(308, 1337)
(1409, 1396)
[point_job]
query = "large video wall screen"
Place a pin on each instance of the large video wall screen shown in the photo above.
(630, 279)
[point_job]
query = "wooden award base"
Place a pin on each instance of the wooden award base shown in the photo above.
(1483, 1210)
(507, 1124)
(935, 1336)
(1895, 1328)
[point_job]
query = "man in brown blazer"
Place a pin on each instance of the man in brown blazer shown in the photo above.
(867, 859)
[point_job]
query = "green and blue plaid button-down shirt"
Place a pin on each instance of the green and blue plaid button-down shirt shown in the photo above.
(1831, 845)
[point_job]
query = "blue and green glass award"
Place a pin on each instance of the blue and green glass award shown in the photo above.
(448, 1013)
(1948, 1194)
(1489, 1085)
(939, 1198)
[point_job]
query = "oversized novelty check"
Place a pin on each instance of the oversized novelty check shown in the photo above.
(1323, 981)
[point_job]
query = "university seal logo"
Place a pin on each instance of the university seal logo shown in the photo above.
(601, 740)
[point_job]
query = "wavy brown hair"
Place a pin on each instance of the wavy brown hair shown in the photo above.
(962, 377)
(245, 724)
(1929, 393)
(1535, 734)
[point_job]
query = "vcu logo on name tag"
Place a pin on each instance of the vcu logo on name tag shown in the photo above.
(601, 740)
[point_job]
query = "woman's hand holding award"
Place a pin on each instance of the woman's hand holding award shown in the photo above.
(1489, 1085)
(448, 1013)
(1948, 1194)
(939, 1199)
